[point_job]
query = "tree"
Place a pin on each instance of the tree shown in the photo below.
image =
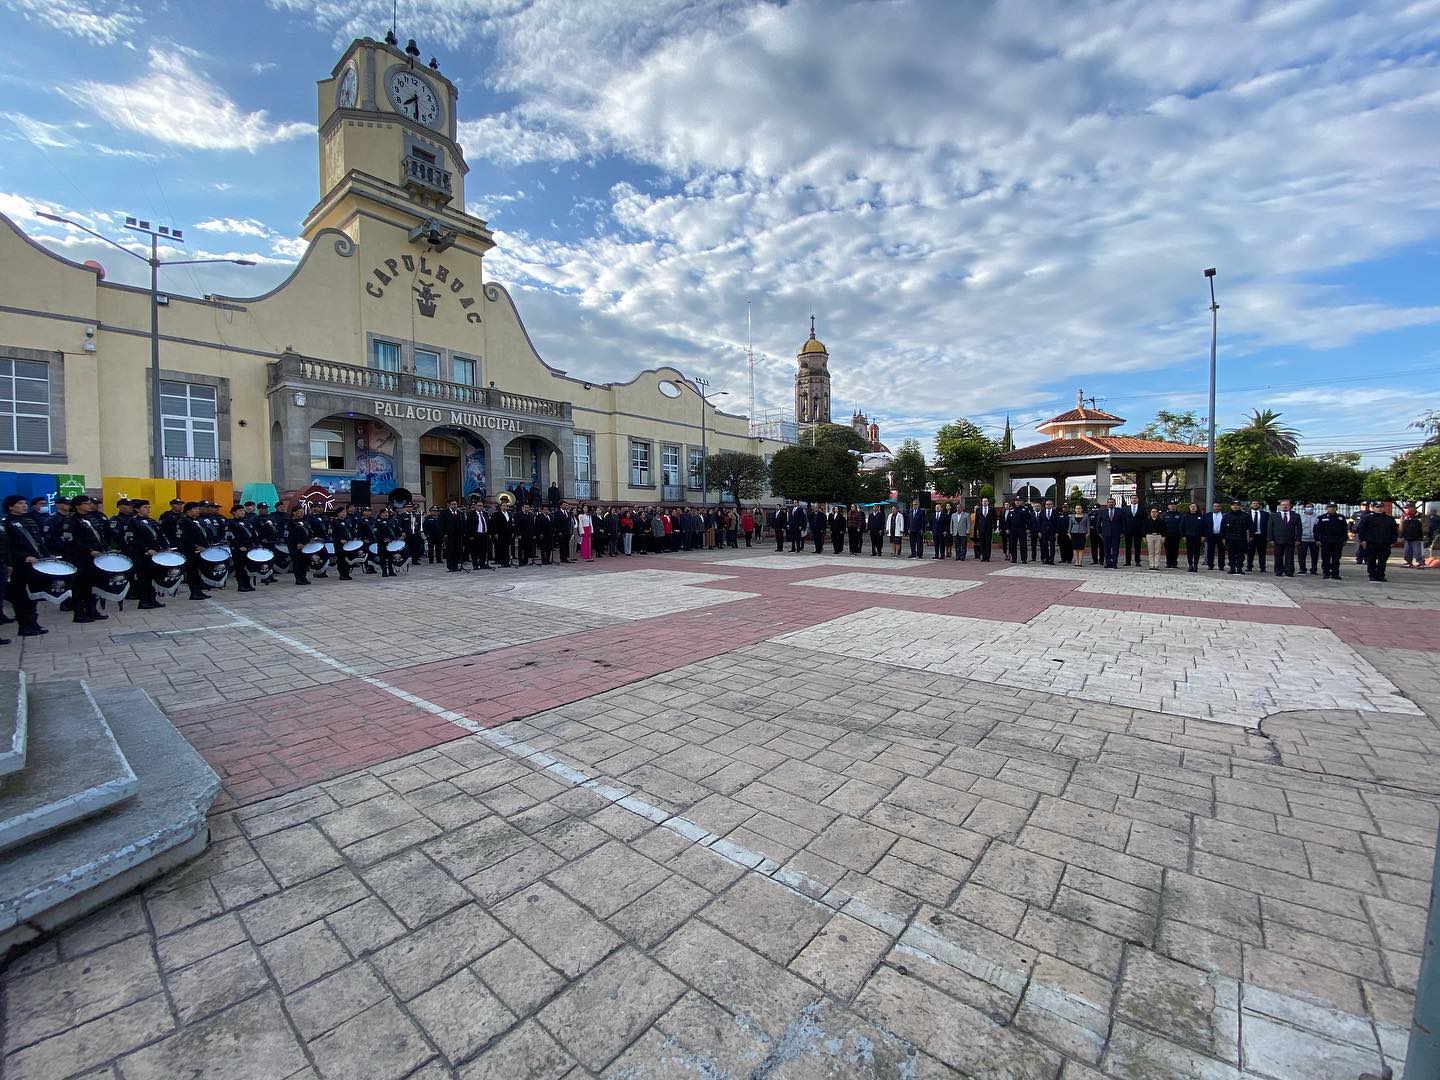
(1321, 481)
(839, 436)
(1176, 427)
(964, 456)
(1430, 425)
(874, 486)
(815, 474)
(1377, 485)
(741, 475)
(1007, 441)
(1340, 457)
(1246, 469)
(1416, 474)
(1277, 440)
(911, 472)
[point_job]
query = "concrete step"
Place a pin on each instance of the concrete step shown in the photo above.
(73, 766)
(60, 877)
(13, 718)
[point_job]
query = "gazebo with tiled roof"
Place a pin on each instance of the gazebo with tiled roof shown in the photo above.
(1080, 444)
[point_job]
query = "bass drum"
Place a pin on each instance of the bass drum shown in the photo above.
(50, 580)
(262, 563)
(282, 559)
(168, 570)
(112, 576)
(399, 554)
(215, 566)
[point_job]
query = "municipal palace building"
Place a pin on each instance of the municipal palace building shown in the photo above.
(385, 356)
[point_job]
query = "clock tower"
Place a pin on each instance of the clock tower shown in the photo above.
(387, 127)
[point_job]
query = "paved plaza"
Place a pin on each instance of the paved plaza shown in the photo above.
(751, 814)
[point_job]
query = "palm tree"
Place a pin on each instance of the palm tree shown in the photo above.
(1280, 441)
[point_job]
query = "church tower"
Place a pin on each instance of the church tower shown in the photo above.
(812, 382)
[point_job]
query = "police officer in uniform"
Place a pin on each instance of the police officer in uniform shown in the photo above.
(142, 539)
(1332, 530)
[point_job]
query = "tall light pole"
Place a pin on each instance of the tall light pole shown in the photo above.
(1210, 441)
(701, 385)
(154, 261)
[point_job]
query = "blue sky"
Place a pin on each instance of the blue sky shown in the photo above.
(986, 206)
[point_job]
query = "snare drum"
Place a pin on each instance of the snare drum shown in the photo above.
(396, 547)
(215, 566)
(353, 547)
(329, 549)
(167, 568)
(50, 580)
(262, 562)
(313, 548)
(112, 576)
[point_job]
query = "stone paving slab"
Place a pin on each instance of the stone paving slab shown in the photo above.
(690, 850)
(1171, 584)
(892, 585)
(1233, 673)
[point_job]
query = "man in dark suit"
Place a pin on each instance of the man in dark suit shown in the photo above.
(1285, 534)
(876, 525)
(502, 532)
(1047, 525)
(818, 522)
(780, 525)
(1135, 516)
(1259, 535)
(1215, 536)
(1015, 531)
(984, 530)
(795, 528)
(1237, 526)
(457, 536)
(1378, 532)
(1111, 524)
(919, 518)
(561, 527)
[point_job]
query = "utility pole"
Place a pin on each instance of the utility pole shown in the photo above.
(1210, 441)
(154, 261)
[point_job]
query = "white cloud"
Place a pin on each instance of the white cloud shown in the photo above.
(176, 104)
(235, 227)
(37, 132)
(508, 140)
(100, 23)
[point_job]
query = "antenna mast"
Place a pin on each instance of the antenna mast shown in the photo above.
(750, 357)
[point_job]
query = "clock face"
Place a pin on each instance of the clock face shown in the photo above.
(412, 96)
(348, 85)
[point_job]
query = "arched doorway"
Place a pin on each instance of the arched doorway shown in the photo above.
(346, 447)
(452, 465)
(531, 460)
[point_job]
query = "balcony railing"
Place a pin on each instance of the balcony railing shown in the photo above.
(672, 492)
(299, 371)
(584, 489)
(190, 468)
(426, 174)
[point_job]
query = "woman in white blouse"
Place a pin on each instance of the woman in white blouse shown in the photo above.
(585, 527)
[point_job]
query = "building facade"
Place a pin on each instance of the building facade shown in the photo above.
(386, 355)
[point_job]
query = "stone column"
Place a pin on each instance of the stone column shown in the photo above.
(1142, 486)
(1001, 483)
(407, 469)
(1102, 481)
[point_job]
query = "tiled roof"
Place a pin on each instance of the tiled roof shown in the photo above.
(1076, 415)
(1096, 446)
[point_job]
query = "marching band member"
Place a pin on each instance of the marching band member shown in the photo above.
(385, 531)
(191, 538)
(242, 538)
(142, 539)
(81, 542)
(365, 530)
(25, 548)
(342, 532)
(297, 535)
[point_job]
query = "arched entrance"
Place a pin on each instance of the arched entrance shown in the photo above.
(532, 460)
(346, 447)
(452, 465)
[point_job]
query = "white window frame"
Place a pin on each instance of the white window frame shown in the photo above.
(188, 425)
(456, 361)
(670, 464)
(640, 464)
(379, 344)
(18, 410)
(340, 437)
(417, 352)
(694, 467)
(514, 466)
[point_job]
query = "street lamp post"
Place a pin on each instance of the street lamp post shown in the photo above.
(701, 385)
(1210, 441)
(154, 262)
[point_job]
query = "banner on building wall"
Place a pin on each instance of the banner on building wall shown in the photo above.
(474, 478)
(375, 449)
(69, 485)
(335, 484)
